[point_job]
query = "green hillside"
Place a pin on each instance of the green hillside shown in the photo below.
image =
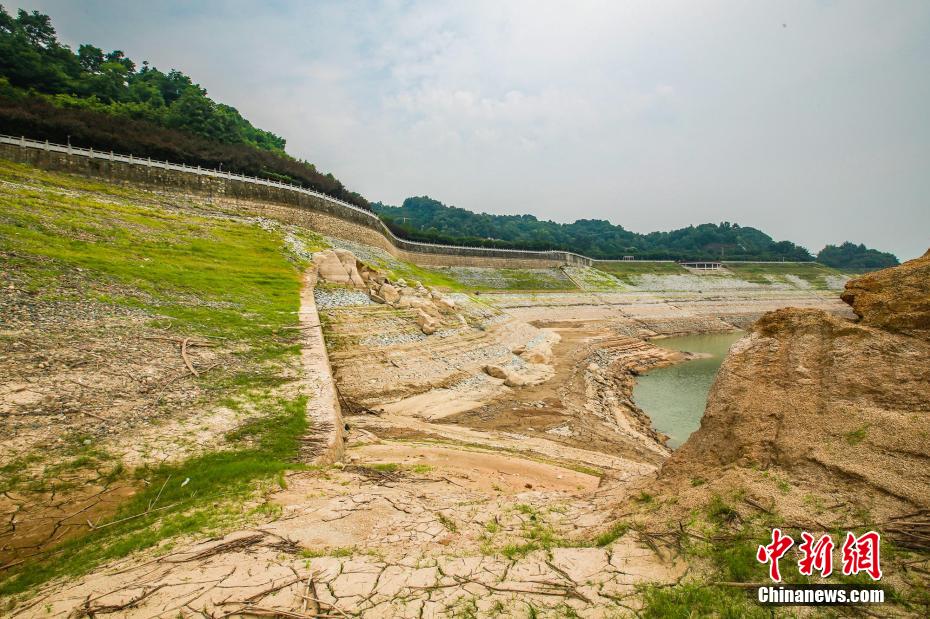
(93, 264)
(104, 100)
(430, 220)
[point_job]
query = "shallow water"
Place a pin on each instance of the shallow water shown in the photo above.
(675, 396)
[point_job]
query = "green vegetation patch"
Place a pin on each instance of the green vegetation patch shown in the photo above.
(73, 240)
(629, 271)
(696, 600)
(812, 273)
(595, 280)
(487, 279)
(202, 493)
(210, 276)
(724, 566)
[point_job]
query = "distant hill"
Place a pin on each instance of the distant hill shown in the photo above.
(105, 101)
(427, 219)
(423, 218)
(856, 257)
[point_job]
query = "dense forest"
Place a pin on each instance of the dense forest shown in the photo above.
(855, 257)
(426, 219)
(105, 101)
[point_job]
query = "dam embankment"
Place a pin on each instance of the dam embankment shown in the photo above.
(280, 200)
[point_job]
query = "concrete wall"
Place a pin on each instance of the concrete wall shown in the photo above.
(283, 203)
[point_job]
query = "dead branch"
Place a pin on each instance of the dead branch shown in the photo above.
(757, 505)
(187, 360)
(90, 611)
(236, 544)
(263, 593)
(177, 340)
(258, 611)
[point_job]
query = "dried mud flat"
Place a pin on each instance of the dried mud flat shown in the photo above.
(459, 495)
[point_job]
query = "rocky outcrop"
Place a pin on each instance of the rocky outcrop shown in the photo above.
(340, 266)
(837, 405)
(896, 299)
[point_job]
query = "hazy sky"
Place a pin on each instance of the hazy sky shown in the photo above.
(809, 120)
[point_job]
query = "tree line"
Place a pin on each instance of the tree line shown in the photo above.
(425, 219)
(855, 257)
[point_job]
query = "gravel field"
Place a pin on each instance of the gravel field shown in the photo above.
(395, 339)
(695, 283)
(473, 382)
(593, 279)
(329, 298)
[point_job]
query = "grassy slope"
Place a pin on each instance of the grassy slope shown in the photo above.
(195, 276)
(813, 273)
(724, 552)
(465, 279)
(628, 271)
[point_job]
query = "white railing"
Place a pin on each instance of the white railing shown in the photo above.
(181, 167)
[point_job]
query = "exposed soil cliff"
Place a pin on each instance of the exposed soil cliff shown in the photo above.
(815, 423)
(842, 406)
(896, 299)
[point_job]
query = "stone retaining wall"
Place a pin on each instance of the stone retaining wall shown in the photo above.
(283, 203)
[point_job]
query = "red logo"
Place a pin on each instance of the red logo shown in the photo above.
(860, 554)
(817, 556)
(774, 551)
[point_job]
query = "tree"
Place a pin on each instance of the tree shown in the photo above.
(90, 58)
(855, 257)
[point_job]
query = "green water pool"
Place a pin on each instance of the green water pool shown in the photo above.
(675, 396)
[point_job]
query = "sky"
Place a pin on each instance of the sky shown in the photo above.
(809, 120)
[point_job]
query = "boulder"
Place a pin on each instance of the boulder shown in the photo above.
(428, 325)
(897, 299)
(389, 293)
(541, 354)
(422, 304)
(515, 380)
(509, 376)
(367, 273)
(495, 371)
(443, 303)
(338, 266)
(350, 264)
(329, 268)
